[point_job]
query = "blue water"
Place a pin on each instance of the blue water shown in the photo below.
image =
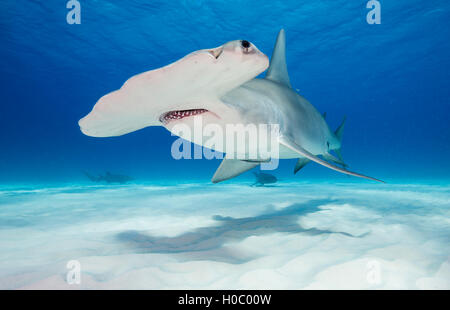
(391, 81)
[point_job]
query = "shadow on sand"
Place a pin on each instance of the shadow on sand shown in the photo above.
(209, 242)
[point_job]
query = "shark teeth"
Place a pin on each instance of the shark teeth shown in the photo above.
(177, 115)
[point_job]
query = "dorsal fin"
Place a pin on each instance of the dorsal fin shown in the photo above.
(277, 71)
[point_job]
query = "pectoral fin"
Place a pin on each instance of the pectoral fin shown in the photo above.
(230, 168)
(297, 148)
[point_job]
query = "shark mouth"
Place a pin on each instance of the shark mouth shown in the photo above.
(178, 115)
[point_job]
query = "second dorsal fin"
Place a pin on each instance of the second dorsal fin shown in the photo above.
(277, 71)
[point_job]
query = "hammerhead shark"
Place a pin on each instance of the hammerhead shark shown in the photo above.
(219, 86)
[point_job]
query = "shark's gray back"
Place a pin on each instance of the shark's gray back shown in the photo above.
(263, 101)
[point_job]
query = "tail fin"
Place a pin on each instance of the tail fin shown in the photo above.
(339, 133)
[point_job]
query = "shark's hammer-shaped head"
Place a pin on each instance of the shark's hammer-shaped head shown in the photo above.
(177, 92)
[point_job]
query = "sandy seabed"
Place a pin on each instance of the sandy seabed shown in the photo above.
(226, 236)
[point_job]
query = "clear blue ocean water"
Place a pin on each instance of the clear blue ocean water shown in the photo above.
(170, 227)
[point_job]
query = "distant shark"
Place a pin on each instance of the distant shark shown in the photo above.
(219, 85)
(264, 178)
(109, 178)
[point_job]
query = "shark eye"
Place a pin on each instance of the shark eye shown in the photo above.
(246, 46)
